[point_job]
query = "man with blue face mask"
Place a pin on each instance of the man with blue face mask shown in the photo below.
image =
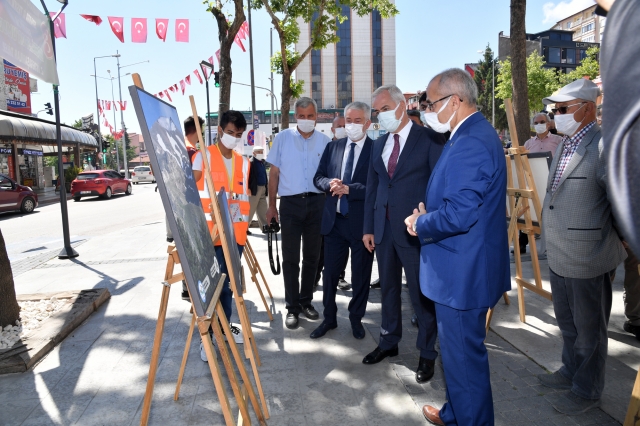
(401, 163)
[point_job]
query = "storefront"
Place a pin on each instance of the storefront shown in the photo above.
(7, 165)
(31, 167)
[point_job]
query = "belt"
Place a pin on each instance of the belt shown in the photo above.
(344, 216)
(302, 195)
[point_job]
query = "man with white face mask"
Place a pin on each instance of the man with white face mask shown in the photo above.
(544, 140)
(583, 248)
(258, 187)
(337, 128)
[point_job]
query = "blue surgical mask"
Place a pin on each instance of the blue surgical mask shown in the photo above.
(389, 121)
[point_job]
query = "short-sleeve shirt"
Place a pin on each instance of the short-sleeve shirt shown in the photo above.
(197, 166)
(298, 159)
(549, 143)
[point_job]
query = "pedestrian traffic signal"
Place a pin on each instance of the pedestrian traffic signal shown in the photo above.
(48, 108)
(216, 78)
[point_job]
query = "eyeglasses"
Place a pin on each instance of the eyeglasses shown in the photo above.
(430, 105)
(563, 109)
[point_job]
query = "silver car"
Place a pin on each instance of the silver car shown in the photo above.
(142, 174)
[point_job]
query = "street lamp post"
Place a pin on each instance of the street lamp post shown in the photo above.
(271, 55)
(115, 123)
(203, 65)
(95, 75)
(253, 89)
(273, 97)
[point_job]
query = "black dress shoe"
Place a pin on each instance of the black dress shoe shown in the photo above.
(169, 240)
(310, 312)
(414, 320)
(425, 370)
(292, 321)
(322, 330)
(343, 285)
(358, 330)
(375, 284)
(379, 354)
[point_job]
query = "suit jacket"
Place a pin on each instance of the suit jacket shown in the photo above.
(406, 190)
(330, 167)
(577, 219)
(464, 259)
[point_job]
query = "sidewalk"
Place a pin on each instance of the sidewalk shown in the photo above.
(98, 374)
(49, 196)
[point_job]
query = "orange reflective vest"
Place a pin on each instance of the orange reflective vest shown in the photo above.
(237, 191)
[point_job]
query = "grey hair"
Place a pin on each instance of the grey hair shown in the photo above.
(456, 81)
(546, 117)
(392, 89)
(304, 102)
(360, 106)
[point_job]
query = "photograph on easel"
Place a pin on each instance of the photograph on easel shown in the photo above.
(159, 124)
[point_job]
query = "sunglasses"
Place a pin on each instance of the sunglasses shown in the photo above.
(563, 109)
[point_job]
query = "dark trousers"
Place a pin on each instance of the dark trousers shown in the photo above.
(466, 366)
(321, 262)
(300, 220)
(582, 308)
(631, 295)
(226, 294)
(336, 247)
(391, 259)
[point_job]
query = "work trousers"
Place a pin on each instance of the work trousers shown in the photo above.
(300, 220)
(258, 204)
(226, 295)
(582, 308)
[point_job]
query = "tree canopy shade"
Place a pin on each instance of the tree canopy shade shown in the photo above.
(482, 77)
(326, 14)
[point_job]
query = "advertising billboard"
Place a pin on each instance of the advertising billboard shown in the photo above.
(16, 89)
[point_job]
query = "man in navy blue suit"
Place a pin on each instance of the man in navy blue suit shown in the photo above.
(342, 175)
(401, 163)
(464, 260)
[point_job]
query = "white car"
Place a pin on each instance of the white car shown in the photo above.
(142, 174)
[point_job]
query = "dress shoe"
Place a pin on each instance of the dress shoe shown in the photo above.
(343, 285)
(414, 320)
(169, 239)
(375, 284)
(432, 414)
(322, 330)
(379, 354)
(555, 381)
(633, 329)
(425, 370)
(358, 330)
(292, 321)
(310, 312)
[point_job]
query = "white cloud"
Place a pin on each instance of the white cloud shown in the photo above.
(557, 12)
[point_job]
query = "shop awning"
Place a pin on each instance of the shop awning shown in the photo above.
(37, 131)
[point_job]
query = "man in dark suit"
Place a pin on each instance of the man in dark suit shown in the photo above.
(464, 260)
(401, 163)
(342, 175)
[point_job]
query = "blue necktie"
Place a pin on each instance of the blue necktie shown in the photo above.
(346, 179)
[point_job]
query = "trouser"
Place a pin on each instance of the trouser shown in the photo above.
(300, 220)
(466, 366)
(582, 308)
(321, 263)
(226, 293)
(259, 205)
(336, 248)
(631, 295)
(391, 259)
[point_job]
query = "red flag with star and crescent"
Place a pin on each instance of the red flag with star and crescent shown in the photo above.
(93, 18)
(59, 25)
(161, 28)
(139, 30)
(182, 30)
(117, 26)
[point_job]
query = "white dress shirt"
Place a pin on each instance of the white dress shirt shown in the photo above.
(388, 145)
(356, 154)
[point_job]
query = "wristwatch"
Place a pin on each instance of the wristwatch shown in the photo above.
(415, 226)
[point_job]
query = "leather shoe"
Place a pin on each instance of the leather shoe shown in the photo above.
(310, 312)
(379, 354)
(292, 321)
(322, 330)
(432, 414)
(358, 330)
(425, 370)
(414, 320)
(375, 284)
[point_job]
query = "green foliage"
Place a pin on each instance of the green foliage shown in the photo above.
(297, 88)
(482, 77)
(77, 124)
(541, 82)
(588, 67)
(70, 173)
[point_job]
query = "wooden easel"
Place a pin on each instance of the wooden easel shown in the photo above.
(254, 268)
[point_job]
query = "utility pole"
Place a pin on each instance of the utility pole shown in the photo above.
(271, 56)
(115, 123)
(493, 91)
(123, 129)
(253, 90)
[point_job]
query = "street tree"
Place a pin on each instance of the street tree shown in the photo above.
(227, 32)
(541, 82)
(589, 67)
(483, 76)
(325, 14)
(9, 309)
(519, 69)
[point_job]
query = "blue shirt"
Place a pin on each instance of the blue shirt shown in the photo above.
(261, 172)
(298, 159)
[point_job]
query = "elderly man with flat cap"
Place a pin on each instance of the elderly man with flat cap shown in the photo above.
(583, 248)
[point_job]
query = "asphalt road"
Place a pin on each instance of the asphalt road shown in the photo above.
(33, 234)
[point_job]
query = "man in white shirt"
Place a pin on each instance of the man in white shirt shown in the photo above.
(544, 140)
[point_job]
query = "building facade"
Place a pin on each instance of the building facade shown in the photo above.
(350, 70)
(586, 26)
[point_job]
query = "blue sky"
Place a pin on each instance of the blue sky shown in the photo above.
(431, 35)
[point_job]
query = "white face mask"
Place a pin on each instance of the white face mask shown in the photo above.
(339, 133)
(422, 118)
(259, 157)
(306, 126)
(565, 123)
(389, 121)
(540, 128)
(354, 131)
(435, 124)
(229, 141)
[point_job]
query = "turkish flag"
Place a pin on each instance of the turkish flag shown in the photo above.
(182, 86)
(161, 28)
(139, 30)
(93, 18)
(161, 95)
(182, 30)
(218, 56)
(117, 26)
(197, 73)
(123, 105)
(59, 25)
(187, 79)
(239, 43)
(108, 106)
(168, 96)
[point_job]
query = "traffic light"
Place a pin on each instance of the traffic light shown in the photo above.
(216, 78)
(48, 108)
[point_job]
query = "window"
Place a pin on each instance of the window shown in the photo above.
(343, 56)
(568, 56)
(316, 69)
(376, 48)
(587, 28)
(566, 37)
(589, 39)
(87, 176)
(554, 55)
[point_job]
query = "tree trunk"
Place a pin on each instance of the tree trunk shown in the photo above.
(286, 101)
(9, 309)
(519, 70)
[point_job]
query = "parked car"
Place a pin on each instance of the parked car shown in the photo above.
(103, 183)
(14, 196)
(142, 174)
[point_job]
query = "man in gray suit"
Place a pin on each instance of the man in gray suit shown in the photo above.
(583, 247)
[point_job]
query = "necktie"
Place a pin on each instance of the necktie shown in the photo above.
(346, 179)
(395, 153)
